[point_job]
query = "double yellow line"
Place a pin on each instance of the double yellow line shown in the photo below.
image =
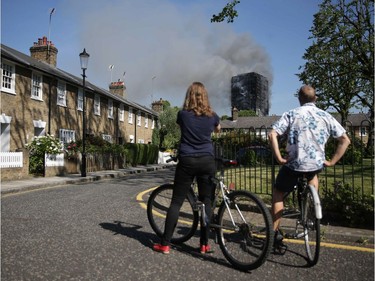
(143, 204)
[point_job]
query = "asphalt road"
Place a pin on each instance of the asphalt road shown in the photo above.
(99, 231)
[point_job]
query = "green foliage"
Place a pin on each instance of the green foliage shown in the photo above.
(40, 146)
(131, 153)
(345, 205)
(246, 113)
(340, 61)
(168, 134)
(250, 158)
(141, 154)
(229, 13)
(353, 155)
(72, 149)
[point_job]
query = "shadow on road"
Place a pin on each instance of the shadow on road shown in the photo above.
(148, 239)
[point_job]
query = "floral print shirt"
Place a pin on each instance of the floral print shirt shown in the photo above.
(308, 129)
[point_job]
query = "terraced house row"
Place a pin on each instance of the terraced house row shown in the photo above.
(37, 98)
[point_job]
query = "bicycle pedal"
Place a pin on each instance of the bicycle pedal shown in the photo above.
(198, 206)
(290, 235)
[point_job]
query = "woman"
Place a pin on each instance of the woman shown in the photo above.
(197, 121)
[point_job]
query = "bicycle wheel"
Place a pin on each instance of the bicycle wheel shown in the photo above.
(311, 227)
(246, 232)
(157, 207)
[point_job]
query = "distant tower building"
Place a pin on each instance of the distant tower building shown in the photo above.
(249, 91)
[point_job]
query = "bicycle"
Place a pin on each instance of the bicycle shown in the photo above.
(243, 223)
(308, 213)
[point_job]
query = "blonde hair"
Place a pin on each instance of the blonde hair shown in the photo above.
(197, 100)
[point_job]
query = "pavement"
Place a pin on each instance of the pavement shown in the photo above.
(360, 237)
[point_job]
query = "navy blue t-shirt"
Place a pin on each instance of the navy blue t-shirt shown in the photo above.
(196, 133)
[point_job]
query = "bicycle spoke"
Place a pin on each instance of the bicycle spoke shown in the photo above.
(157, 207)
(249, 243)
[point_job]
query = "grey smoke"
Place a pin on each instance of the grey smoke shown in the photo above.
(176, 44)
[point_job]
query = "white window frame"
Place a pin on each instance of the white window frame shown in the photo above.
(110, 109)
(146, 121)
(8, 77)
(153, 124)
(80, 100)
(131, 139)
(130, 115)
(139, 118)
(121, 115)
(37, 86)
(97, 104)
(39, 128)
(61, 93)
(362, 131)
(5, 132)
(67, 136)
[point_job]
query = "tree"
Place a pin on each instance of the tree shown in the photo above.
(340, 62)
(167, 135)
(247, 113)
(229, 12)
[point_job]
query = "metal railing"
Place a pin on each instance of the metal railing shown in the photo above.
(257, 170)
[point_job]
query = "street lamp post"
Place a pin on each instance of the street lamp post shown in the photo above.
(84, 59)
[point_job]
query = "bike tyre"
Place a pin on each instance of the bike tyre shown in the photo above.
(248, 247)
(311, 227)
(157, 207)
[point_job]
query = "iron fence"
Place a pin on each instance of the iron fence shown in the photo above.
(257, 168)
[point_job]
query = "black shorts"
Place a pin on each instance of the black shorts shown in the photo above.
(286, 180)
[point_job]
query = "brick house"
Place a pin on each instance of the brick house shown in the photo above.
(37, 98)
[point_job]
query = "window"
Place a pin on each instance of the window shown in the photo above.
(110, 109)
(153, 124)
(39, 128)
(5, 132)
(80, 100)
(37, 86)
(131, 139)
(107, 138)
(61, 93)
(139, 118)
(67, 136)
(97, 105)
(8, 77)
(146, 121)
(130, 116)
(363, 132)
(121, 113)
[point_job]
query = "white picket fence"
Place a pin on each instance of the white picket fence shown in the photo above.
(54, 160)
(11, 159)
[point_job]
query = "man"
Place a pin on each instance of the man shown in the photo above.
(307, 128)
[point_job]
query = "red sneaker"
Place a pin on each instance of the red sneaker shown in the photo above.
(206, 249)
(161, 248)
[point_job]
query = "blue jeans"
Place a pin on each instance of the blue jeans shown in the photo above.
(203, 168)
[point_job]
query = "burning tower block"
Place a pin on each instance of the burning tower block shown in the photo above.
(249, 91)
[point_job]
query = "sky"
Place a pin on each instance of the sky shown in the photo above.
(159, 47)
